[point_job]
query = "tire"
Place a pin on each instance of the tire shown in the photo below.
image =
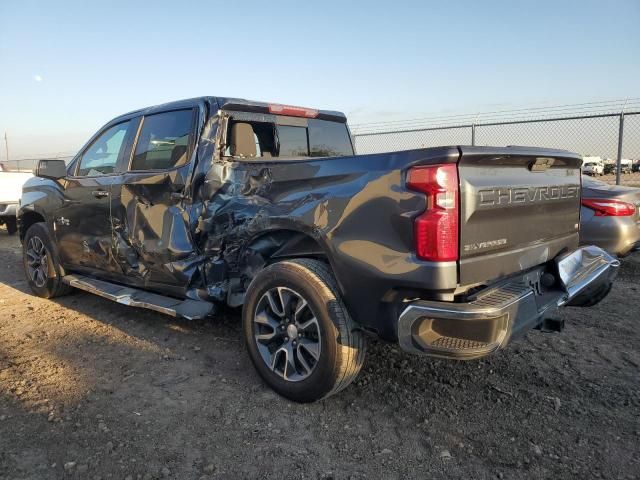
(12, 225)
(327, 354)
(39, 253)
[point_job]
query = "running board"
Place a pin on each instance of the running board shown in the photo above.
(189, 309)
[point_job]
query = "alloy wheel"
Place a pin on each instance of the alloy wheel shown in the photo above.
(287, 334)
(37, 261)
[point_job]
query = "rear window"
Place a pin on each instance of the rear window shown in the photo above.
(293, 141)
(305, 138)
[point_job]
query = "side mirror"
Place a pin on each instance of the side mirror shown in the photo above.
(53, 169)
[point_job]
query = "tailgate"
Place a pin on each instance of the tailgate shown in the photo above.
(520, 207)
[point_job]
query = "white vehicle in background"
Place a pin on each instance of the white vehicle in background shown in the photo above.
(593, 166)
(626, 165)
(11, 182)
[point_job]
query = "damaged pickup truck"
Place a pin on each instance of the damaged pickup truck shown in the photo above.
(186, 207)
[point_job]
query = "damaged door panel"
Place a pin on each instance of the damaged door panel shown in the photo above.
(83, 221)
(152, 237)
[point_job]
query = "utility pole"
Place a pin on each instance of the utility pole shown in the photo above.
(6, 145)
(620, 140)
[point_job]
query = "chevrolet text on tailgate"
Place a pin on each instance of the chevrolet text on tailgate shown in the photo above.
(184, 207)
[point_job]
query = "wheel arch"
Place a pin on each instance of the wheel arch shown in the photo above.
(271, 246)
(28, 218)
(283, 243)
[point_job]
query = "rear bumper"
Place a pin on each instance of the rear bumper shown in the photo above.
(504, 311)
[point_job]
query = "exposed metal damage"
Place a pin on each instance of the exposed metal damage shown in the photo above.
(211, 237)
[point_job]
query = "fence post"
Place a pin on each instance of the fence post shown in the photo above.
(473, 134)
(620, 140)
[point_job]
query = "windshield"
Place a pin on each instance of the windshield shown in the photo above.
(300, 138)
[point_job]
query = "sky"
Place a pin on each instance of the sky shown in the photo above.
(66, 68)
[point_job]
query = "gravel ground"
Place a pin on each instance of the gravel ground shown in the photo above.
(92, 389)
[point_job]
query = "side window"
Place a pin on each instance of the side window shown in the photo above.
(101, 157)
(164, 141)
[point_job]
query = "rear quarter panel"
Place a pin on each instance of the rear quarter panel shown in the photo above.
(357, 208)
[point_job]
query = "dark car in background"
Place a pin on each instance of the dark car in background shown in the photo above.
(610, 216)
(625, 167)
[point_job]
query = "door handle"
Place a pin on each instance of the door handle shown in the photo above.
(100, 193)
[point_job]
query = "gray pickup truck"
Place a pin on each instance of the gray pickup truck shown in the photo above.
(189, 206)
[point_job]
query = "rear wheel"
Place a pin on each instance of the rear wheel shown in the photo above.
(299, 334)
(41, 263)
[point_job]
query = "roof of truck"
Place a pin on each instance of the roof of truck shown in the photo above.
(230, 103)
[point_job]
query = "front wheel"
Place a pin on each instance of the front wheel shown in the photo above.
(300, 337)
(41, 263)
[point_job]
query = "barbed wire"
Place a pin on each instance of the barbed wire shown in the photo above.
(611, 107)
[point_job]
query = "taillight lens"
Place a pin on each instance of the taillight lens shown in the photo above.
(609, 208)
(436, 229)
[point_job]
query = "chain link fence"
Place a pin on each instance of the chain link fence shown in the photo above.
(610, 130)
(28, 164)
(631, 137)
(610, 135)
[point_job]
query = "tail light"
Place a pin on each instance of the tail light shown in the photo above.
(436, 229)
(609, 208)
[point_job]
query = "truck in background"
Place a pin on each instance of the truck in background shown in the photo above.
(11, 182)
(593, 166)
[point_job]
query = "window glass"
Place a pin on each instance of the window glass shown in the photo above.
(329, 139)
(164, 141)
(293, 141)
(102, 156)
(315, 138)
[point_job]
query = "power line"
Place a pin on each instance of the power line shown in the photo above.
(570, 107)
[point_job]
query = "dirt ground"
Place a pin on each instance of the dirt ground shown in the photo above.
(92, 389)
(628, 179)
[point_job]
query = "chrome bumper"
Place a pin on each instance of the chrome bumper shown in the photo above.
(503, 311)
(8, 209)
